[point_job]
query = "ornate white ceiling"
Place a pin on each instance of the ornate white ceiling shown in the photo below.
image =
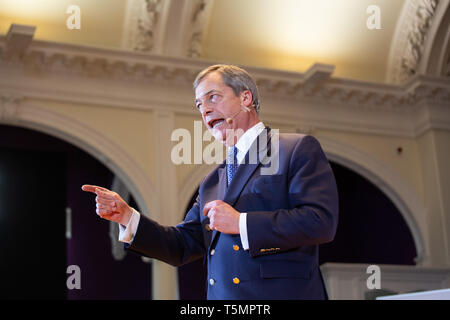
(289, 35)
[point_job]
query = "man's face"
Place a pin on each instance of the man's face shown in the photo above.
(217, 102)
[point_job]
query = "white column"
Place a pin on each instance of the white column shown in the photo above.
(165, 277)
(435, 158)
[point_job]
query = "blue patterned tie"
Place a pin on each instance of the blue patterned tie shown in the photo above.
(232, 164)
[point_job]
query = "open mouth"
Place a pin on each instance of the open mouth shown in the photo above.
(215, 123)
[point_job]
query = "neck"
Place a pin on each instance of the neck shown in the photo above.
(251, 121)
(248, 123)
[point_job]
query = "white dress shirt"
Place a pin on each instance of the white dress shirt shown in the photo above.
(126, 233)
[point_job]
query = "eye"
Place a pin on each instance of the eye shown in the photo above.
(213, 98)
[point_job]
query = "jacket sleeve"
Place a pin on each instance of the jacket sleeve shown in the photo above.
(174, 245)
(312, 214)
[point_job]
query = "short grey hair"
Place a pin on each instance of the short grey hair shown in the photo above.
(234, 77)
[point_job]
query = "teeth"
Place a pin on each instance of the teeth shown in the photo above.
(218, 123)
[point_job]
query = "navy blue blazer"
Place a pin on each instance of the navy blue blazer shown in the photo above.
(289, 214)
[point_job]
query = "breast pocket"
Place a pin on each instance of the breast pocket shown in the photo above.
(264, 193)
(266, 183)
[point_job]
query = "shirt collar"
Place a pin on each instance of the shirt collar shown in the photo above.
(246, 140)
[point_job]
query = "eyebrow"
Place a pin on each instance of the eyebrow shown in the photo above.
(205, 94)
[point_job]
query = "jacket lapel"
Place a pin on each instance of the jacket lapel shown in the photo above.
(252, 160)
(222, 186)
(217, 193)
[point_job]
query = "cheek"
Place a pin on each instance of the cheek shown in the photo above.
(224, 108)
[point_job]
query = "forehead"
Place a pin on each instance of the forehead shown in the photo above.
(211, 82)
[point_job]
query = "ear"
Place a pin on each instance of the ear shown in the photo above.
(246, 98)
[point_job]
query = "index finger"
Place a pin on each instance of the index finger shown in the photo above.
(209, 205)
(105, 193)
(91, 188)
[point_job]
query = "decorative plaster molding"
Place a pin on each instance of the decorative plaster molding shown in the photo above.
(416, 38)
(314, 85)
(201, 10)
(320, 98)
(409, 41)
(18, 39)
(10, 106)
(141, 24)
(171, 27)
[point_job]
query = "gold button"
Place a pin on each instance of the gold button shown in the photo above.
(236, 247)
(236, 280)
(212, 282)
(213, 251)
(207, 227)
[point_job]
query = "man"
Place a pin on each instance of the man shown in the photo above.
(260, 232)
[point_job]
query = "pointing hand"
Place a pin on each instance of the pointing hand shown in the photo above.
(110, 205)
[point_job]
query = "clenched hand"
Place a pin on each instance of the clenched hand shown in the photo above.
(222, 217)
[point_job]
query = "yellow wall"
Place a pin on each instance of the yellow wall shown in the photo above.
(384, 149)
(101, 20)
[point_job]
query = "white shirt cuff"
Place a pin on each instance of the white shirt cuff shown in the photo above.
(243, 230)
(126, 234)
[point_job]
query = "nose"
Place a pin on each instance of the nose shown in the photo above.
(205, 110)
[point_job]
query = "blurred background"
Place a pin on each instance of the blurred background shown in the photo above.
(91, 92)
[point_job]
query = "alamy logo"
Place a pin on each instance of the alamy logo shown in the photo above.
(74, 20)
(374, 280)
(74, 280)
(374, 20)
(213, 153)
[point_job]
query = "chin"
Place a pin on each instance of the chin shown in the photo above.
(223, 135)
(218, 134)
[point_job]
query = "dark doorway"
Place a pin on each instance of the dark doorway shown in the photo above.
(40, 176)
(32, 224)
(371, 229)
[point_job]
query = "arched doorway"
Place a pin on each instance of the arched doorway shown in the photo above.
(371, 229)
(53, 172)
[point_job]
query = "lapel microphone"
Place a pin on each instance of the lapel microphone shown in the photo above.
(230, 119)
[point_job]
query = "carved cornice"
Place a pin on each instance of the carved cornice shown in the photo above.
(408, 44)
(315, 92)
(363, 96)
(316, 85)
